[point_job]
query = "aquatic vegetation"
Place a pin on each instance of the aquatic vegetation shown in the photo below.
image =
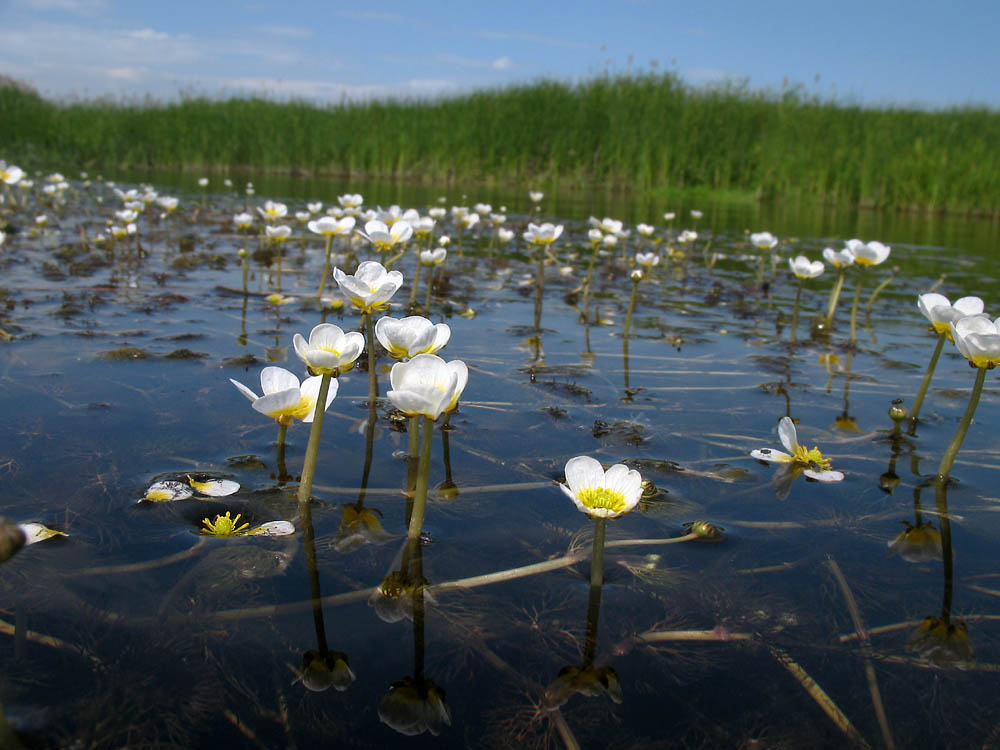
(369, 288)
(798, 460)
(410, 336)
(427, 386)
(224, 526)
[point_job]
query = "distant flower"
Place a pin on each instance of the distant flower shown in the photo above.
(202, 182)
(646, 230)
(688, 235)
(696, 214)
(384, 237)
(814, 464)
(763, 240)
(279, 233)
(302, 216)
(469, 220)
(606, 225)
(329, 350)
(315, 207)
(433, 257)
(669, 216)
(422, 225)
(427, 385)
(536, 196)
(482, 208)
(543, 234)
(272, 211)
(371, 287)
(868, 254)
(505, 235)
(411, 336)
(283, 398)
(609, 240)
(803, 268)
(601, 494)
(10, 174)
(647, 260)
(329, 226)
(168, 203)
(444, 240)
(978, 340)
(437, 212)
(350, 201)
(838, 258)
(941, 313)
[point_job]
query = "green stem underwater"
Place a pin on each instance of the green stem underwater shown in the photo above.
(423, 477)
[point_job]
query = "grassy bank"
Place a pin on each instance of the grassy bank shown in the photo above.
(646, 132)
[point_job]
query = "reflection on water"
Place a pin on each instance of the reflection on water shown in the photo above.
(814, 618)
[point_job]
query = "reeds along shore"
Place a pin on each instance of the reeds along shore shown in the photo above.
(644, 132)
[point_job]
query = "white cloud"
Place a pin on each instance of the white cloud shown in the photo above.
(126, 74)
(532, 38)
(502, 63)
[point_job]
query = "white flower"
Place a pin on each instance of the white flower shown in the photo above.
(646, 230)
(482, 208)
(536, 196)
(543, 234)
(609, 240)
(302, 216)
(411, 336)
(329, 226)
(978, 339)
(10, 175)
(203, 182)
(350, 200)
(273, 211)
(383, 237)
(427, 385)
(167, 203)
(422, 225)
(803, 268)
(763, 240)
(688, 235)
(371, 287)
(389, 216)
(868, 254)
(279, 233)
(329, 350)
(283, 398)
(816, 466)
(696, 214)
(601, 494)
(437, 212)
(433, 257)
(647, 260)
(315, 207)
(669, 216)
(469, 220)
(941, 313)
(505, 235)
(606, 225)
(243, 221)
(838, 258)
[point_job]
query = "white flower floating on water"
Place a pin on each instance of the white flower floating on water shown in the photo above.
(169, 491)
(812, 463)
(283, 398)
(226, 526)
(37, 532)
(601, 494)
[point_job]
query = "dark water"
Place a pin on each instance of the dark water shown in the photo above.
(137, 631)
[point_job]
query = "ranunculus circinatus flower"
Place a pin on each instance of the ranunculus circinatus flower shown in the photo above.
(978, 340)
(284, 399)
(941, 313)
(601, 494)
(411, 336)
(370, 287)
(815, 465)
(803, 268)
(329, 350)
(427, 385)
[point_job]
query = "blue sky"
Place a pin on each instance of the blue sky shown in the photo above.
(877, 53)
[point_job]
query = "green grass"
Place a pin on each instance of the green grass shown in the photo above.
(641, 132)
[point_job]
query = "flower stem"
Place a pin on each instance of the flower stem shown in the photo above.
(372, 373)
(282, 431)
(326, 267)
(430, 287)
(244, 262)
(312, 449)
(963, 427)
(831, 306)
(854, 308)
(594, 599)
(631, 307)
(586, 284)
(795, 311)
(919, 400)
(423, 477)
(416, 283)
(877, 292)
(413, 433)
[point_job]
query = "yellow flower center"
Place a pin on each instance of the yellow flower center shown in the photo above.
(812, 458)
(224, 526)
(601, 497)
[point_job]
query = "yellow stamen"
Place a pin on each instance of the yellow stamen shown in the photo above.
(811, 458)
(602, 497)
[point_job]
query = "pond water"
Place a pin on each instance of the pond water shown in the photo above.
(137, 630)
